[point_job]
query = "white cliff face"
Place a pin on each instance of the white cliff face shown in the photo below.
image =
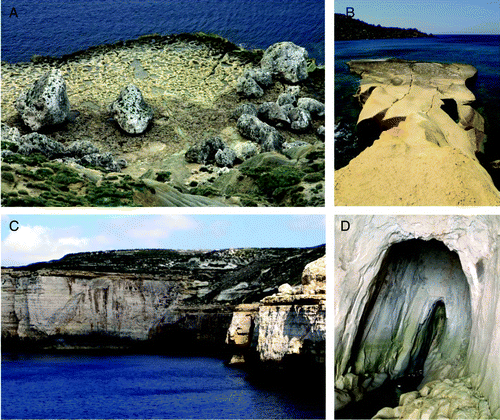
(46, 304)
(293, 321)
(404, 283)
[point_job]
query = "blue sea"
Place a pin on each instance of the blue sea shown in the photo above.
(140, 386)
(58, 27)
(481, 51)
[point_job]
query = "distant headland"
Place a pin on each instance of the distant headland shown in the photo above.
(349, 29)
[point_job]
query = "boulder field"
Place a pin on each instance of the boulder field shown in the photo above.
(417, 306)
(422, 136)
(171, 301)
(128, 122)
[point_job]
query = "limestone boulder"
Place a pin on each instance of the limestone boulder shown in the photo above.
(256, 130)
(286, 61)
(225, 157)
(40, 143)
(248, 87)
(45, 104)
(273, 114)
(313, 106)
(132, 113)
(205, 151)
(300, 119)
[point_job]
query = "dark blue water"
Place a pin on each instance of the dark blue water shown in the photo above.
(481, 51)
(138, 386)
(58, 27)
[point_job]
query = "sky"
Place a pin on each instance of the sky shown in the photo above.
(430, 16)
(34, 238)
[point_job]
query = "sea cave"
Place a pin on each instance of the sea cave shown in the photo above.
(409, 305)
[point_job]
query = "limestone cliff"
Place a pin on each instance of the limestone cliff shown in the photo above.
(418, 297)
(425, 134)
(162, 296)
(290, 322)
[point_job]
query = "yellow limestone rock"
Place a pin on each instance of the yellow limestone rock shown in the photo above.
(425, 154)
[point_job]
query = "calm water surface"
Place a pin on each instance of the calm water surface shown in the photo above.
(58, 27)
(138, 386)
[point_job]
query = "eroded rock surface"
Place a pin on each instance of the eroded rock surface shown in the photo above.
(141, 295)
(446, 399)
(290, 322)
(132, 113)
(426, 136)
(287, 61)
(403, 287)
(45, 103)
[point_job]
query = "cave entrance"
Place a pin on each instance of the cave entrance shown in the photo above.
(417, 317)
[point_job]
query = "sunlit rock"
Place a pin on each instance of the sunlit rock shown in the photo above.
(422, 137)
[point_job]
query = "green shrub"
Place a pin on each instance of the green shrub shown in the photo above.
(8, 177)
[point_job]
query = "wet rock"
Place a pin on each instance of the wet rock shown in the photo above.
(131, 111)
(45, 103)
(315, 107)
(273, 114)
(287, 61)
(205, 151)
(251, 127)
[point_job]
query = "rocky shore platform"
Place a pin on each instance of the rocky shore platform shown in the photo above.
(421, 134)
(192, 83)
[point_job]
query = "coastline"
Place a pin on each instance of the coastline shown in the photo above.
(190, 81)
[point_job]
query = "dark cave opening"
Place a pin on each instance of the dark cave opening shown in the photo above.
(408, 268)
(450, 107)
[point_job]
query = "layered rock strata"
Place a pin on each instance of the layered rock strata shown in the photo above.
(426, 135)
(290, 322)
(156, 296)
(417, 297)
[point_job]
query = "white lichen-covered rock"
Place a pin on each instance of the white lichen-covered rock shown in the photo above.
(132, 113)
(45, 103)
(421, 277)
(286, 61)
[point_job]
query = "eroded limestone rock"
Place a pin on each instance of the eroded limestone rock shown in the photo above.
(426, 136)
(385, 263)
(45, 103)
(286, 61)
(132, 113)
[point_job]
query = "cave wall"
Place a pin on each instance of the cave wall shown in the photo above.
(359, 256)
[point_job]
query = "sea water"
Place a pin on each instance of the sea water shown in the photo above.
(58, 27)
(481, 51)
(140, 386)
